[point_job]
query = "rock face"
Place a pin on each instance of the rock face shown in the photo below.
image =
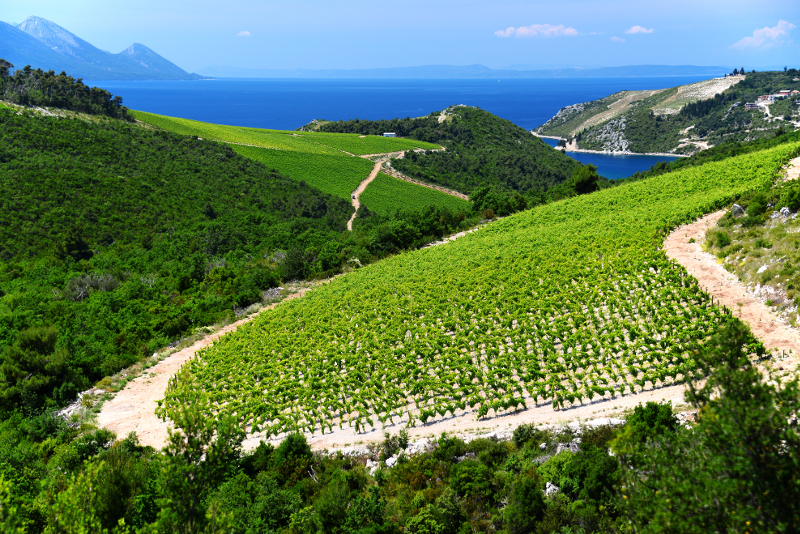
(612, 136)
(550, 489)
(737, 210)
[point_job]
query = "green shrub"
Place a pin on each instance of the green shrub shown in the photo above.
(757, 206)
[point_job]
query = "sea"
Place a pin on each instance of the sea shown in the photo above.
(287, 104)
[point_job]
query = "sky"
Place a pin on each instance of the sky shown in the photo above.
(353, 34)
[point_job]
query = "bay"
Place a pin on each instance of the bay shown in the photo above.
(287, 104)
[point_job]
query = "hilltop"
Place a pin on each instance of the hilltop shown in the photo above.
(43, 44)
(679, 120)
(482, 150)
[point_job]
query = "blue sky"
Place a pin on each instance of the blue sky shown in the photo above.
(316, 34)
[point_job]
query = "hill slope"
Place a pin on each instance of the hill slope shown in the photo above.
(482, 149)
(680, 120)
(565, 303)
(119, 239)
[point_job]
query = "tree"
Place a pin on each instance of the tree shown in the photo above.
(200, 453)
(584, 179)
(31, 367)
(737, 469)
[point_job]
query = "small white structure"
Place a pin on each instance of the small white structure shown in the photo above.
(389, 134)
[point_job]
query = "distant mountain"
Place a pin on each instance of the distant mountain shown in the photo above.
(43, 44)
(470, 72)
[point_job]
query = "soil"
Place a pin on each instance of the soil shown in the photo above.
(776, 335)
(360, 189)
(133, 408)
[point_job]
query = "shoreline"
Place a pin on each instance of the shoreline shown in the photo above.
(607, 153)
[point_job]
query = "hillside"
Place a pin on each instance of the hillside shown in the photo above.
(565, 304)
(42, 44)
(326, 161)
(679, 120)
(482, 149)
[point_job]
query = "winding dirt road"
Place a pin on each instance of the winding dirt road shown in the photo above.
(133, 408)
(360, 189)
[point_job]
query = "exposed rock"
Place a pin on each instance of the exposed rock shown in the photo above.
(737, 210)
(543, 446)
(460, 459)
(571, 447)
(785, 212)
(550, 489)
(391, 461)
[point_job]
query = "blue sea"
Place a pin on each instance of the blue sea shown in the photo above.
(287, 104)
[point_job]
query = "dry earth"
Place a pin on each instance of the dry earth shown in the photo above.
(360, 189)
(133, 408)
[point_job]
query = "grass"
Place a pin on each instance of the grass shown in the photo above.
(307, 142)
(386, 194)
(765, 257)
(336, 175)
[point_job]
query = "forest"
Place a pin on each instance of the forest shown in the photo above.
(29, 87)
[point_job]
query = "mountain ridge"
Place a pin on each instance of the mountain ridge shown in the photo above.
(475, 71)
(44, 44)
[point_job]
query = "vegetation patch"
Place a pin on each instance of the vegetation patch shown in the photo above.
(386, 195)
(565, 303)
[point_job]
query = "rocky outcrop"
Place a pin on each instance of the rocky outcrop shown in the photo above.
(611, 136)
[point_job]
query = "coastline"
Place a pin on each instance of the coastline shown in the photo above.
(573, 148)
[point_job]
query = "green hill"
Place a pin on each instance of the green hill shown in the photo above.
(567, 303)
(482, 149)
(680, 120)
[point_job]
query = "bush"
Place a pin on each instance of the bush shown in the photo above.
(757, 206)
(525, 505)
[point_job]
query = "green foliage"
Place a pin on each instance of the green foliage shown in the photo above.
(386, 195)
(335, 175)
(525, 505)
(199, 454)
(757, 206)
(305, 142)
(539, 276)
(732, 471)
(29, 87)
(482, 149)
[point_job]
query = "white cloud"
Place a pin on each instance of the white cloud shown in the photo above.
(538, 30)
(639, 29)
(766, 37)
(244, 33)
(616, 39)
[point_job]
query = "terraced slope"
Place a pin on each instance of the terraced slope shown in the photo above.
(566, 303)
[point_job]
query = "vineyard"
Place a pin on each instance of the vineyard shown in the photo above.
(310, 143)
(385, 195)
(563, 304)
(335, 175)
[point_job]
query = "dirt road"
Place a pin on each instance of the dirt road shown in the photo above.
(360, 189)
(777, 336)
(133, 408)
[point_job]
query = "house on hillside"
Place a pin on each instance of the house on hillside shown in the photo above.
(749, 106)
(389, 134)
(763, 98)
(784, 92)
